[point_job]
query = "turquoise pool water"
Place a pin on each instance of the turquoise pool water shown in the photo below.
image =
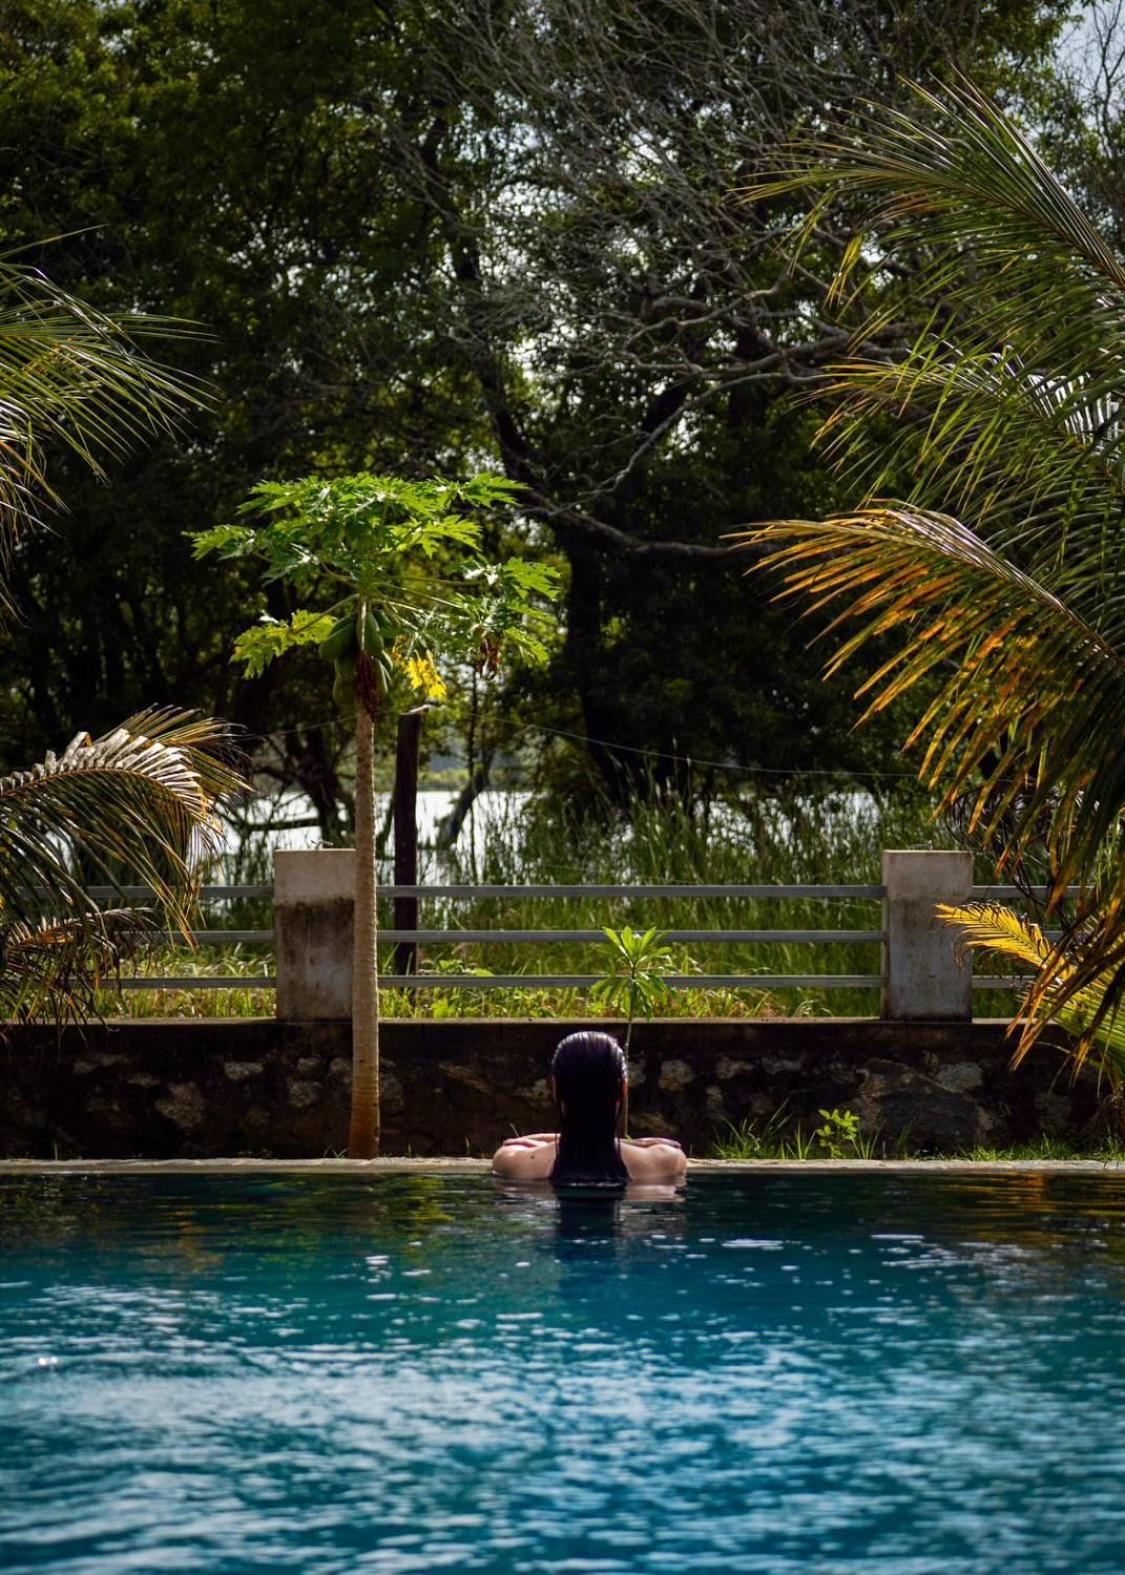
(771, 1373)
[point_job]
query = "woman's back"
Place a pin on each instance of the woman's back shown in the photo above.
(588, 1081)
(534, 1158)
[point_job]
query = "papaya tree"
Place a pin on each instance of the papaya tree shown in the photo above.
(400, 589)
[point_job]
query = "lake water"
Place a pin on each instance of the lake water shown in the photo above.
(771, 1372)
(493, 813)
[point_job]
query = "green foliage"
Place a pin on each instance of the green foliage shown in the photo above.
(634, 977)
(838, 1135)
(354, 528)
(340, 200)
(73, 379)
(271, 637)
(1007, 622)
(399, 560)
(225, 166)
(773, 1140)
(753, 1139)
(142, 798)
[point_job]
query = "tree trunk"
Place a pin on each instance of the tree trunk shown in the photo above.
(406, 835)
(450, 828)
(363, 1135)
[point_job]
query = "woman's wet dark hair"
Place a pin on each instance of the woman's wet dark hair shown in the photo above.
(589, 1071)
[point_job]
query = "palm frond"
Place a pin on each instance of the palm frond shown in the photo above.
(142, 799)
(76, 378)
(964, 429)
(1008, 398)
(1028, 692)
(53, 969)
(990, 232)
(1006, 411)
(1082, 1004)
(1087, 965)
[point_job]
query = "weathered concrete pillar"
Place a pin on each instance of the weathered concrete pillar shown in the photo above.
(922, 977)
(313, 915)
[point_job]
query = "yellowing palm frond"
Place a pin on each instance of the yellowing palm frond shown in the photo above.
(963, 427)
(1028, 692)
(1079, 1007)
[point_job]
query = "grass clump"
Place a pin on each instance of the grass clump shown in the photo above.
(839, 1137)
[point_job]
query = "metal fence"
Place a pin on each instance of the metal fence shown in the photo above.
(655, 894)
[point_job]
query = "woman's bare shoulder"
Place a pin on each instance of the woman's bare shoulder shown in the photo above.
(653, 1159)
(526, 1158)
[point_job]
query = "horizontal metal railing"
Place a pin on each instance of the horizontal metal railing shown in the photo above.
(665, 891)
(212, 937)
(517, 981)
(545, 937)
(228, 893)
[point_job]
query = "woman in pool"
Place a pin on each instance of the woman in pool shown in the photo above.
(588, 1078)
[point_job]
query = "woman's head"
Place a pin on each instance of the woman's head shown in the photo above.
(588, 1073)
(588, 1070)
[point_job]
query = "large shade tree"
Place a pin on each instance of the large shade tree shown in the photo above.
(995, 583)
(428, 233)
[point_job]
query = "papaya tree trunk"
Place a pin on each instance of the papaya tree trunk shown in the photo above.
(363, 1135)
(625, 1047)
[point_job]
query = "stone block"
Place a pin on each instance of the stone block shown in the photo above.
(962, 1077)
(183, 1105)
(240, 1071)
(899, 1103)
(302, 1094)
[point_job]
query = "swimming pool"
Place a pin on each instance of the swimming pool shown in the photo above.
(774, 1372)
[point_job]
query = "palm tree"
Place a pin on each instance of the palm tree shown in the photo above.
(984, 566)
(400, 566)
(139, 803)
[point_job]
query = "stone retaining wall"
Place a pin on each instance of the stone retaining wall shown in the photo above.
(260, 1087)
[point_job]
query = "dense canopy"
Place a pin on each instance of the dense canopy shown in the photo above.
(421, 236)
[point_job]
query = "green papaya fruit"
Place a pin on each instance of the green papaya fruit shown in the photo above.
(343, 693)
(340, 641)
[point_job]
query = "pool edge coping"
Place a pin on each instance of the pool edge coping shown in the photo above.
(392, 1164)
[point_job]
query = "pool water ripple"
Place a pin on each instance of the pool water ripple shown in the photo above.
(771, 1373)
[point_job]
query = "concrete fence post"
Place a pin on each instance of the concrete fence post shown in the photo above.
(922, 977)
(313, 917)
